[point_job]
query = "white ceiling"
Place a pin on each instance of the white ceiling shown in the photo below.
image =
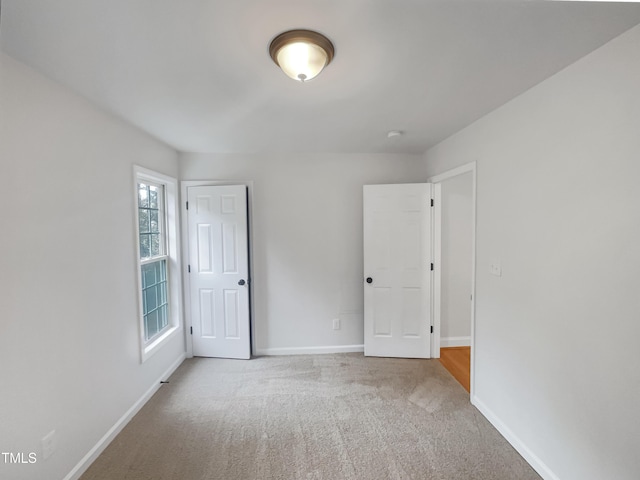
(197, 74)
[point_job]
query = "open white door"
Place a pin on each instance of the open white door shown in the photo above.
(397, 270)
(219, 271)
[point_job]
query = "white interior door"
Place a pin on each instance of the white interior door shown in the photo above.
(219, 271)
(397, 269)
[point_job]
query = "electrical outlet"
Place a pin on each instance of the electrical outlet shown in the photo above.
(336, 324)
(48, 444)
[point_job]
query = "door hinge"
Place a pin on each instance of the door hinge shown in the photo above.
(431, 328)
(189, 268)
(187, 205)
(432, 202)
(432, 266)
(191, 330)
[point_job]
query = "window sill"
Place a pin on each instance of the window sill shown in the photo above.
(149, 350)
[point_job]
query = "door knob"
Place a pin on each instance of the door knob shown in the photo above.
(369, 279)
(241, 282)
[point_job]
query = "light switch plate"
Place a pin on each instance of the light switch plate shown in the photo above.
(495, 269)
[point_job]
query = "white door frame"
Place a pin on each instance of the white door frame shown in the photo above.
(186, 290)
(436, 179)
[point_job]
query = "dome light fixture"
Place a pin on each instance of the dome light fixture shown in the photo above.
(301, 54)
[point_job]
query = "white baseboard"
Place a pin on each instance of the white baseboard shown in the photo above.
(99, 447)
(310, 350)
(532, 459)
(455, 342)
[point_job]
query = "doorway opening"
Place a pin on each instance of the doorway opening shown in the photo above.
(455, 315)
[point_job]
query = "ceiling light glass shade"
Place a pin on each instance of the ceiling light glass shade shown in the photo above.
(301, 61)
(301, 54)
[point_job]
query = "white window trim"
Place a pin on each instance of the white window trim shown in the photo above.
(173, 260)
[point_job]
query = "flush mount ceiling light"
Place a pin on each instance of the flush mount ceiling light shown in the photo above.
(301, 54)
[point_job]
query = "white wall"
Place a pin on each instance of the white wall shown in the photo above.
(456, 258)
(557, 356)
(68, 316)
(307, 239)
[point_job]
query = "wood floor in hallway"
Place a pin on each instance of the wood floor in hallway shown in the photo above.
(457, 360)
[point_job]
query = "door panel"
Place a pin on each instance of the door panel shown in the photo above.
(218, 258)
(229, 253)
(397, 257)
(231, 313)
(204, 262)
(207, 308)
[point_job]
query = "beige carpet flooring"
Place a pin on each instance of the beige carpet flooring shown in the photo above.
(331, 417)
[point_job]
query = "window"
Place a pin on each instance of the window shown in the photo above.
(158, 274)
(153, 258)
